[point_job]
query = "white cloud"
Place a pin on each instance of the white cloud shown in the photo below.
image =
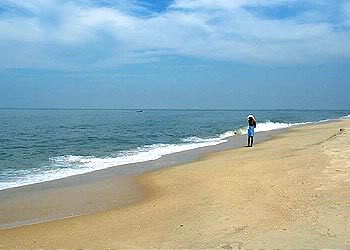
(82, 33)
(224, 4)
(346, 9)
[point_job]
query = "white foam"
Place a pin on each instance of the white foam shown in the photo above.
(268, 126)
(228, 134)
(69, 165)
(195, 139)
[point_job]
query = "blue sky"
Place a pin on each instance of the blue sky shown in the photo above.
(231, 54)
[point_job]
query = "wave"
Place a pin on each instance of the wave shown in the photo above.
(70, 165)
(269, 126)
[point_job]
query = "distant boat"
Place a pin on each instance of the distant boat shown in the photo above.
(139, 110)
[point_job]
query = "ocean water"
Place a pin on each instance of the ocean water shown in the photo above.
(42, 145)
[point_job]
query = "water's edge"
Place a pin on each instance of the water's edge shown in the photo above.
(51, 146)
(96, 191)
(100, 190)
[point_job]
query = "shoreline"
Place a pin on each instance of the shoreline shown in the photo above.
(219, 138)
(97, 191)
(289, 192)
(127, 169)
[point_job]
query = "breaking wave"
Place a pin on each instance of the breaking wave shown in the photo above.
(69, 165)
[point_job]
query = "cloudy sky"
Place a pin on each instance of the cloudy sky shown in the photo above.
(231, 54)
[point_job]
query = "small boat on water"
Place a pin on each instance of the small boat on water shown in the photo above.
(139, 110)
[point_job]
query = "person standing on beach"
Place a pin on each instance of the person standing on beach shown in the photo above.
(251, 127)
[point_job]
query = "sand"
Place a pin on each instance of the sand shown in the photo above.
(95, 191)
(292, 191)
(67, 197)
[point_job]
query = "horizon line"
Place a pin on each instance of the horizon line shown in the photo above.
(172, 109)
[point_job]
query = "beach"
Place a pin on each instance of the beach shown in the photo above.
(292, 191)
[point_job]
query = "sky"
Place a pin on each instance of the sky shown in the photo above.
(196, 54)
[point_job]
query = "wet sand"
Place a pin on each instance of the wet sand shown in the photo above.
(66, 198)
(95, 191)
(289, 192)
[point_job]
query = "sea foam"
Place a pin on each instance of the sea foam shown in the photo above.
(70, 165)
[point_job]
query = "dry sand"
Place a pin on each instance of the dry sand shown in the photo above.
(289, 192)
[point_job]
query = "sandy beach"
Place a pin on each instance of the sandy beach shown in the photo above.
(292, 191)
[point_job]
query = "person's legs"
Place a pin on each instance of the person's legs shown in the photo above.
(252, 141)
(250, 136)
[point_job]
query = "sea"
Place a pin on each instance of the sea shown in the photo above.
(38, 145)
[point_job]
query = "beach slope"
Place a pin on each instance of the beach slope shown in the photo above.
(292, 191)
